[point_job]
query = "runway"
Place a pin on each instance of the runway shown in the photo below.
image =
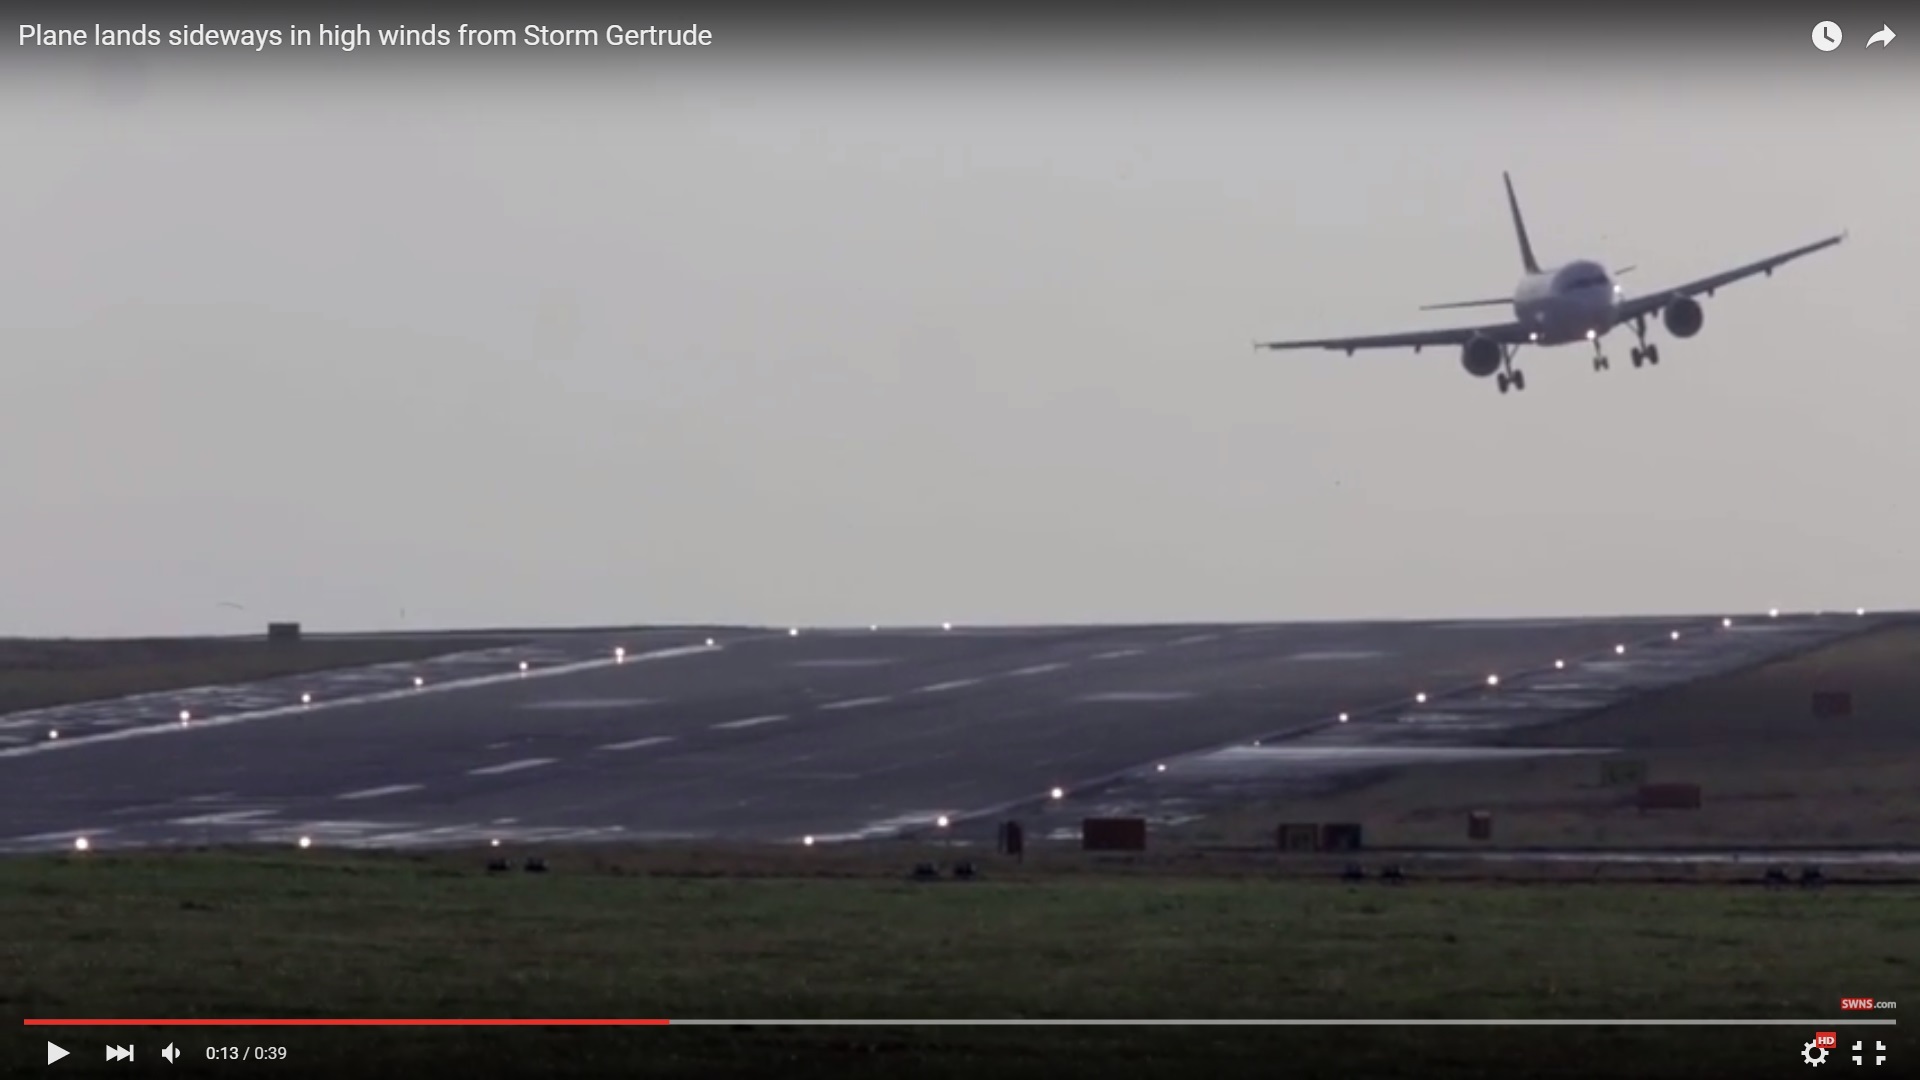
(760, 734)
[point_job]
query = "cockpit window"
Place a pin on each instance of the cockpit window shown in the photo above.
(1587, 281)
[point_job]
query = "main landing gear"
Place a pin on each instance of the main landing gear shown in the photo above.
(1644, 353)
(1512, 378)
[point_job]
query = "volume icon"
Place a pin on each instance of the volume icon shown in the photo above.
(170, 1053)
(119, 1053)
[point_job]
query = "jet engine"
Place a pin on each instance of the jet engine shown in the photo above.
(1683, 318)
(1481, 356)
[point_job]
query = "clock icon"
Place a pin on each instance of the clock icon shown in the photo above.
(1826, 36)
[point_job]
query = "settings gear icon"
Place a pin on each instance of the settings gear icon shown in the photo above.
(1814, 1054)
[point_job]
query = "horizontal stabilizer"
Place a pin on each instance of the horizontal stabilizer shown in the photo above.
(1501, 301)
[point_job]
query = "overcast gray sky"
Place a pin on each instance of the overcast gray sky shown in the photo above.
(895, 341)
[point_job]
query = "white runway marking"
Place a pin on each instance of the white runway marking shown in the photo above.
(751, 721)
(231, 817)
(940, 687)
(591, 703)
(377, 792)
(1139, 695)
(1325, 655)
(1195, 639)
(1117, 654)
(1038, 669)
(635, 744)
(855, 703)
(510, 766)
(851, 662)
(171, 726)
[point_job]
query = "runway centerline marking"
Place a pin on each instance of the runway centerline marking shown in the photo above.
(856, 703)
(1118, 654)
(510, 766)
(1037, 669)
(635, 744)
(941, 687)
(1196, 639)
(377, 792)
(751, 721)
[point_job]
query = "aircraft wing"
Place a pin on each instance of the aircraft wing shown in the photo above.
(1508, 333)
(1640, 306)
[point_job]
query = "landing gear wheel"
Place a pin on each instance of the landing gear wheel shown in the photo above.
(1505, 383)
(1653, 354)
(1519, 380)
(1599, 363)
(1639, 356)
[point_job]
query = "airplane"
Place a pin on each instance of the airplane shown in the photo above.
(1579, 301)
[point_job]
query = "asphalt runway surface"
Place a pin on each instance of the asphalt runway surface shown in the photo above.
(764, 735)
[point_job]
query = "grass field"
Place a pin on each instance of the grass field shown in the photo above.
(35, 673)
(296, 934)
(1771, 772)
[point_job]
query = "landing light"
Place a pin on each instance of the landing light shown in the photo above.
(709, 643)
(873, 626)
(80, 843)
(1860, 611)
(946, 626)
(1590, 335)
(495, 842)
(620, 654)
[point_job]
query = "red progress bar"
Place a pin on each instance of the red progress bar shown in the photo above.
(345, 1022)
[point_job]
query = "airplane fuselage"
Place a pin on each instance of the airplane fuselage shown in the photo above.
(1574, 302)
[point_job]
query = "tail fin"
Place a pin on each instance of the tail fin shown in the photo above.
(1520, 229)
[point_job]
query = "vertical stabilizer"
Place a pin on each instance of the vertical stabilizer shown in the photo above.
(1520, 229)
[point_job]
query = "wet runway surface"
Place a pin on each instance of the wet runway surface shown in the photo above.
(833, 734)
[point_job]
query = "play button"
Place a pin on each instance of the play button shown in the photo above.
(54, 1053)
